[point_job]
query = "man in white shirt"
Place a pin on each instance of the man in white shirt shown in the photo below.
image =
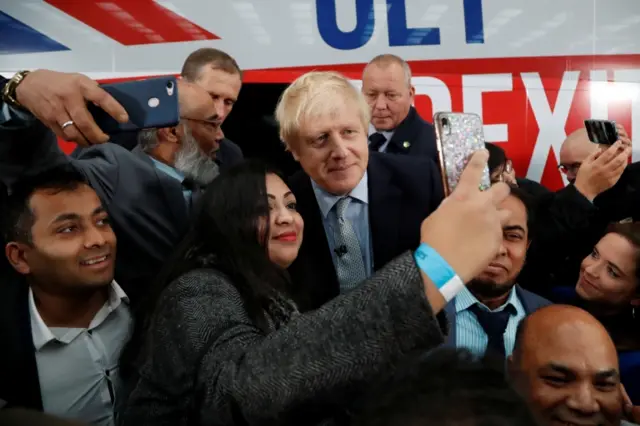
(64, 320)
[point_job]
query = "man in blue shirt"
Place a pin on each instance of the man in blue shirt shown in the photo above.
(485, 315)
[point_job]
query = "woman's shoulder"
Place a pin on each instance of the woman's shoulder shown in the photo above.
(201, 283)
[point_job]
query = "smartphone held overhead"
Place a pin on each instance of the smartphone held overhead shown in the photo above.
(150, 103)
(458, 136)
(603, 132)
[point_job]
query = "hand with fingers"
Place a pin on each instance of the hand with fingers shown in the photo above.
(59, 100)
(466, 229)
(623, 136)
(602, 170)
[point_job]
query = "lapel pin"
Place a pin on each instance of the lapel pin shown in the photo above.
(406, 144)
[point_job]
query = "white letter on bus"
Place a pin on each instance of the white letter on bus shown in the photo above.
(550, 122)
(473, 86)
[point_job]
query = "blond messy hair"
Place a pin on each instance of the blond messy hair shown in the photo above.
(312, 95)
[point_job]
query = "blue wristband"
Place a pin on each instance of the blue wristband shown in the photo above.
(432, 264)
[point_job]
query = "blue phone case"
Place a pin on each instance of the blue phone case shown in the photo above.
(150, 103)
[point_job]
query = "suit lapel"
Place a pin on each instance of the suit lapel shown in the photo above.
(17, 358)
(171, 189)
(402, 138)
(384, 211)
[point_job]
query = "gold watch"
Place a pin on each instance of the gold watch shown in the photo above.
(9, 92)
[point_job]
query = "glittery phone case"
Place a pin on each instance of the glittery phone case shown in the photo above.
(458, 135)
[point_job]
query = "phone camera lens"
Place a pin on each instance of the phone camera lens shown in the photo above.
(445, 122)
(170, 85)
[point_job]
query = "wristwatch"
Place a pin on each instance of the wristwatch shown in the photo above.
(9, 91)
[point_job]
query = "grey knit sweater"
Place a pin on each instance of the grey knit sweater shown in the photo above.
(206, 363)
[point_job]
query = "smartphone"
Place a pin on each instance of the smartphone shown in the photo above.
(150, 103)
(458, 136)
(602, 132)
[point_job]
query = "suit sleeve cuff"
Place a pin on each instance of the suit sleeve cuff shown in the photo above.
(10, 116)
(572, 194)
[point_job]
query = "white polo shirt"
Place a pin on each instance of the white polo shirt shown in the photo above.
(78, 367)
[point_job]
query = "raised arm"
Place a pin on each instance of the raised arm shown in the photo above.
(35, 108)
(319, 359)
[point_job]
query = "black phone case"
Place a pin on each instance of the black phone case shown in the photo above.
(602, 132)
(135, 96)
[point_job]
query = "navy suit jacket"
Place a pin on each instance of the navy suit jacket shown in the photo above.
(419, 134)
(530, 302)
(403, 191)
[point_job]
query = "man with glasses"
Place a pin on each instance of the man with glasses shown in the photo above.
(603, 189)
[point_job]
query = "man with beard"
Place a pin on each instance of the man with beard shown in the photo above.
(485, 314)
(148, 197)
(219, 74)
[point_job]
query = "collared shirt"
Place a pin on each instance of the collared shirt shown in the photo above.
(78, 367)
(173, 173)
(386, 133)
(469, 332)
(357, 214)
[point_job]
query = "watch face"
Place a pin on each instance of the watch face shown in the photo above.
(9, 92)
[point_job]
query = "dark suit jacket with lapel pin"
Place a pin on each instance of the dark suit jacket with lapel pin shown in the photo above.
(403, 191)
(415, 137)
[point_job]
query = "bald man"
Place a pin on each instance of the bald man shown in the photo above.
(575, 149)
(603, 189)
(565, 365)
(395, 127)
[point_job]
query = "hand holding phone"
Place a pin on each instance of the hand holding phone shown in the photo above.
(59, 99)
(150, 103)
(602, 132)
(458, 136)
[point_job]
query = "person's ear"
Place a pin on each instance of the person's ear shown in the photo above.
(293, 151)
(18, 255)
(169, 134)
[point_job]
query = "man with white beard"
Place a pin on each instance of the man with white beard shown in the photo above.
(178, 152)
(148, 193)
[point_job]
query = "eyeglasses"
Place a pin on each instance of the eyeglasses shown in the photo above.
(569, 168)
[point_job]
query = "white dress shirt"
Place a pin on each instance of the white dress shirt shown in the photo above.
(78, 367)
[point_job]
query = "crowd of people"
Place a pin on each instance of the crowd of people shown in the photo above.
(160, 278)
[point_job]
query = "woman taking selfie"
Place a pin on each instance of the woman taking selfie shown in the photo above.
(221, 343)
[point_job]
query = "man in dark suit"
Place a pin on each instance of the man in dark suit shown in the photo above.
(396, 127)
(485, 315)
(360, 210)
(148, 199)
(217, 73)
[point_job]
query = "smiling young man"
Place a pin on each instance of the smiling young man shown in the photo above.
(487, 312)
(63, 320)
